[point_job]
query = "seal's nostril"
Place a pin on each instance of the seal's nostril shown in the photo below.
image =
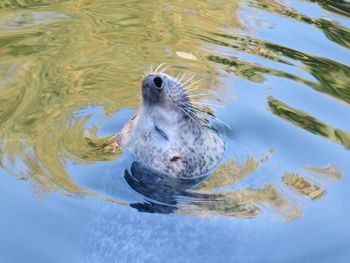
(158, 82)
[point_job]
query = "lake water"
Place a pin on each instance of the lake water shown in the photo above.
(277, 72)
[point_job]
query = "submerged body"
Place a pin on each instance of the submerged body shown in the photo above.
(166, 133)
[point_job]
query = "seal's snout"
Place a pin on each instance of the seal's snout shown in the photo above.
(152, 87)
(153, 82)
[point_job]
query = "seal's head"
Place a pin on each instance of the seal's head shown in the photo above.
(166, 133)
(162, 94)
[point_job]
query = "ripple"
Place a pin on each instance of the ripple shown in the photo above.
(62, 58)
(308, 122)
(70, 77)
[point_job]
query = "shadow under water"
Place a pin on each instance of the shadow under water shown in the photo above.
(195, 196)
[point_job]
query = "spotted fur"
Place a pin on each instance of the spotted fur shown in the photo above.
(166, 133)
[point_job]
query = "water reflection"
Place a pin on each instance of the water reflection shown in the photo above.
(204, 195)
(334, 31)
(340, 7)
(70, 67)
(332, 76)
(39, 98)
(308, 122)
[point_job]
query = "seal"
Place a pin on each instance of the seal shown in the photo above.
(166, 134)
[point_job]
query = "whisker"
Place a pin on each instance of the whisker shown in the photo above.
(207, 104)
(182, 76)
(177, 78)
(196, 111)
(184, 92)
(189, 115)
(158, 68)
(145, 73)
(212, 116)
(189, 90)
(188, 80)
(150, 69)
(193, 83)
(198, 94)
(199, 110)
(221, 121)
(165, 68)
(191, 109)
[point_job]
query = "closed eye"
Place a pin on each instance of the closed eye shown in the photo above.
(161, 132)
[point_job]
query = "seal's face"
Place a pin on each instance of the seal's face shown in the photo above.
(166, 133)
(161, 92)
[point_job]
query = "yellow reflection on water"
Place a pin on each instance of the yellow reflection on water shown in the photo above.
(60, 57)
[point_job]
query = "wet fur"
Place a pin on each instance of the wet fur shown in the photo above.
(167, 135)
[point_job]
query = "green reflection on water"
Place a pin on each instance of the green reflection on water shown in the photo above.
(308, 122)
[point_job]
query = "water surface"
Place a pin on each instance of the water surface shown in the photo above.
(70, 74)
